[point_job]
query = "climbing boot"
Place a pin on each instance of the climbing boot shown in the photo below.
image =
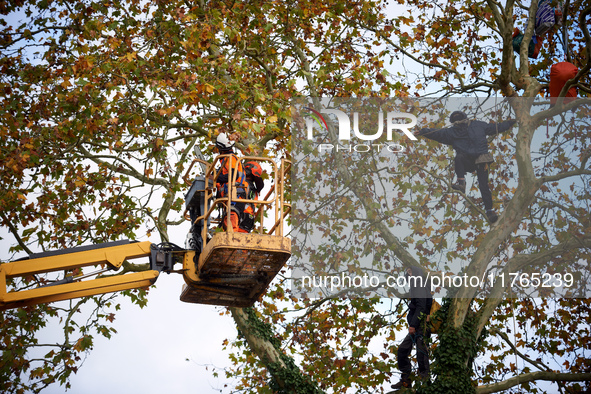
(404, 383)
(460, 186)
(491, 216)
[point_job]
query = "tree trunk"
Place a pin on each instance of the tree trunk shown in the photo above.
(286, 376)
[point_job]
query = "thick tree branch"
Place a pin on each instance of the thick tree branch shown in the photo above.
(515, 209)
(532, 377)
(524, 263)
(499, 17)
(564, 175)
(527, 36)
(263, 343)
(584, 71)
(558, 109)
(508, 70)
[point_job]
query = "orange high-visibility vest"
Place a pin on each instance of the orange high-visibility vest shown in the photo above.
(232, 164)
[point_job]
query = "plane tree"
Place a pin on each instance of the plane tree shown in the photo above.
(498, 339)
(103, 103)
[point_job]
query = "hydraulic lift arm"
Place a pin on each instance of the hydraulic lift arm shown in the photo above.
(230, 269)
(110, 255)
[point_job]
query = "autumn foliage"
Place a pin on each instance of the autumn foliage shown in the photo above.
(102, 103)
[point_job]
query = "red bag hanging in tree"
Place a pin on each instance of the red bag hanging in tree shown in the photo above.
(560, 73)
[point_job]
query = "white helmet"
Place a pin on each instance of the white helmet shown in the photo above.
(223, 142)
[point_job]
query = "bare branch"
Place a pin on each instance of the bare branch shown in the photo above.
(15, 233)
(524, 357)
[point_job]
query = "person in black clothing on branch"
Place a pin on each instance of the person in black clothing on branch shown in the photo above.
(468, 139)
(418, 309)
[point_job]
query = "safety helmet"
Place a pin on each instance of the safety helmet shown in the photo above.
(457, 116)
(222, 142)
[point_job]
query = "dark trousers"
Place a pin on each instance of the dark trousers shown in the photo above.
(403, 356)
(466, 163)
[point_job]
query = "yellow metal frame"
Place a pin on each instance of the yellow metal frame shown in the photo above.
(111, 257)
(235, 268)
(234, 243)
(274, 199)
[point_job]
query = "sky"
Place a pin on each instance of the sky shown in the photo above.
(164, 347)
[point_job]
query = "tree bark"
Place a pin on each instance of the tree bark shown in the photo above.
(286, 376)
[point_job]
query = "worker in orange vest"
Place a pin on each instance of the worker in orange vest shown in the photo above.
(241, 214)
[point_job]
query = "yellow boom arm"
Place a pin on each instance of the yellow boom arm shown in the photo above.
(110, 255)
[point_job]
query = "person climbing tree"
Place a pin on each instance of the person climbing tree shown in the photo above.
(468, 139)
(418, 309)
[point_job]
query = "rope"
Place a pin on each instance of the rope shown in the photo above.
(414, 338)
(514, 332)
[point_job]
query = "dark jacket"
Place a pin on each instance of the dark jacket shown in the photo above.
(468, 137)
(420, 298)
